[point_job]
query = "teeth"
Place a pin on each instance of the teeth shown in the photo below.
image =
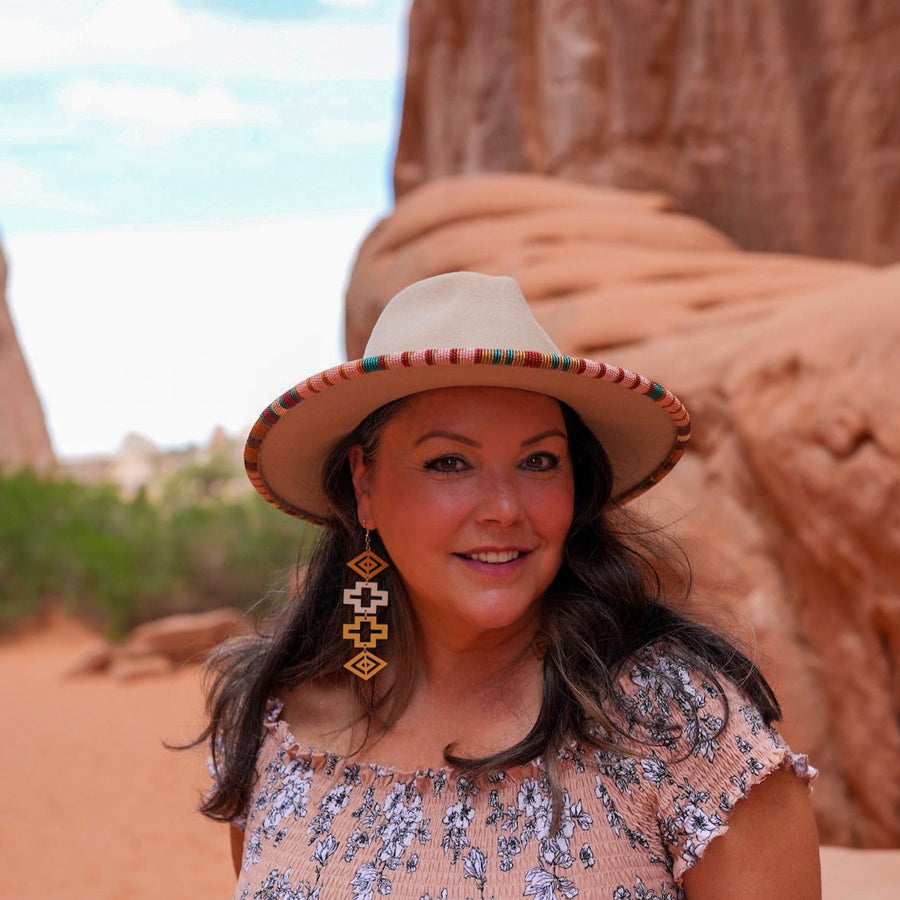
(495, 556)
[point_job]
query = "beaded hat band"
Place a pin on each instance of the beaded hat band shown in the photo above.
(454, 330)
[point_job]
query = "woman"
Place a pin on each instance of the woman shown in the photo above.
(479, 689)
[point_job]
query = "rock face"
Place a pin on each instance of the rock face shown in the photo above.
(788, 501)
(156, 648)
(23, 433)
(779, 122)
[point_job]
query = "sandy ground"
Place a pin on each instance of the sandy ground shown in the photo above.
(95, 808)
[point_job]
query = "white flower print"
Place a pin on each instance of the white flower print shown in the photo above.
(475, 866)
(335, 800)
(289, 800)
(363, 882)
(640, 892)
(253, 849)
(332, 803)
(357, 840)
(699, 824)
(544, 885)
(701, 732)
(456, 821)
(403, 815)
(530, 799)
(535, 806)
(663, 677)
(324, 850)
(278, 886)
(623, 771)
(555, 852)
(754, 719)
(507, 849)
(579, 816)
(653, 769)
(586, 855)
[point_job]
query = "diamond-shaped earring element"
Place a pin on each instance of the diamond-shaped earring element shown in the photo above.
(365, 665)
(367, 564)
(365, 597)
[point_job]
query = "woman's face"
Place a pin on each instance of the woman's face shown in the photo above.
(472, 494)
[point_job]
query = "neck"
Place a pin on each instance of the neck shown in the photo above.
(467, 665)
(479, 696)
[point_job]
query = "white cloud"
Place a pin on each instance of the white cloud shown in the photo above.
(170, 332)
(135, 25)
(157, 113)
(45, 34)
(42, 32)
(21, 186)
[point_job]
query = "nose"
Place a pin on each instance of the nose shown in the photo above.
(499, 500)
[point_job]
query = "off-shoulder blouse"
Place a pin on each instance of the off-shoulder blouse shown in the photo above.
(631, 823)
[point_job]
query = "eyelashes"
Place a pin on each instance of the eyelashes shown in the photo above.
(447, 464)
(541, 462)
(451, 464)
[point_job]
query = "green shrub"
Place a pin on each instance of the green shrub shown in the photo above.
(120, 562)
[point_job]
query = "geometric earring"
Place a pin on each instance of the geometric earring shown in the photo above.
(366, 599)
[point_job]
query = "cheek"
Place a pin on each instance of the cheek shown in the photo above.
(561, 524)
(411, 517)
(411, 503)
(552, 511)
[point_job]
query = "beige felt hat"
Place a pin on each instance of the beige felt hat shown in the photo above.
(454, 330)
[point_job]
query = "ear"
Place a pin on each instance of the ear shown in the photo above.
(361, 473)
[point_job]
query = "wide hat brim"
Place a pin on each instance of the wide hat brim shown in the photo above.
(643, 427)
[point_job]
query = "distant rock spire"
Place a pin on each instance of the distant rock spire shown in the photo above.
(24, 440)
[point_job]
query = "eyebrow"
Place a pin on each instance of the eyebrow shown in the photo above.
(470, 442)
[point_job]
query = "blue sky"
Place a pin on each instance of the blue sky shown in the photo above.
(218, 160)
(151, 111)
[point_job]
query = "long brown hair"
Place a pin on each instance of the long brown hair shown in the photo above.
(615, 593)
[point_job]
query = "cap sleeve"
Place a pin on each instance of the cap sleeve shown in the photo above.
(703, 745)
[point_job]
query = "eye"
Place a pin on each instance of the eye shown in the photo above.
(447, 465)
(540, 462)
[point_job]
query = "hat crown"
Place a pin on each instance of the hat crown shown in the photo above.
(458, 309)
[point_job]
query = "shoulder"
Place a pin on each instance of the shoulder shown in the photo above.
(705, 747)
(663, 697)
(770, 848)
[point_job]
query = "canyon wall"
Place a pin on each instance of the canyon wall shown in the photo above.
(779, 122)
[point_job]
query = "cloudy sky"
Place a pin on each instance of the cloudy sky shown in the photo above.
(183, 185)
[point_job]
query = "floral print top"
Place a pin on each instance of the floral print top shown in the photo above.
(631, 823)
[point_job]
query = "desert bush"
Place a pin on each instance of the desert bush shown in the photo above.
(121, 561)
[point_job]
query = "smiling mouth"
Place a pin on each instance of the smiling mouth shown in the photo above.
(493, 556)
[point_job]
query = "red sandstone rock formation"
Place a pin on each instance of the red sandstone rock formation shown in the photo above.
(158, 647)
(779, 122)
(789, 500)
(23, 433)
